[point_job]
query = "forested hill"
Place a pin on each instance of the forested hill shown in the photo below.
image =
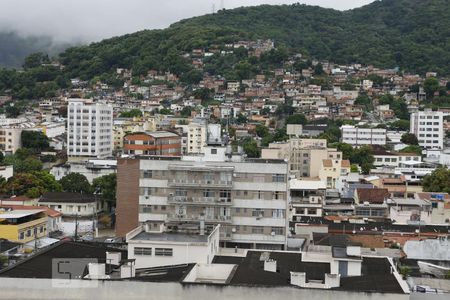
(411, 34)
(14, 48)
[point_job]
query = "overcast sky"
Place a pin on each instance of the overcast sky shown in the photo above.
(91, 20)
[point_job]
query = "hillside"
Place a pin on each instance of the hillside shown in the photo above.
(14, 48)
(411, 34)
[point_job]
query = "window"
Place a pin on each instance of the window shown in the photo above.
(147, 174)
(21, 235)
(208, 194)
(258, 212)
(257, 230)
(142, 251)
(213, 151)
(163, 251)
(278, 178)
(277, 230)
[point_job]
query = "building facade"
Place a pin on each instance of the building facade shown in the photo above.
(363, 136)
(428, 126)
(246, 197)
(89, 129)
(162, 143)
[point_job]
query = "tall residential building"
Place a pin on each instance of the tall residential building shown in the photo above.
(356, 136)
(89, 129)
(428, 126)
(247, 197)
(196, 138)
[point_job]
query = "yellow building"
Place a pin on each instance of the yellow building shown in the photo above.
(23, 226)
(332, 169)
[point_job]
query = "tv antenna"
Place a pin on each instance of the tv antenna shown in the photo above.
(222, 4)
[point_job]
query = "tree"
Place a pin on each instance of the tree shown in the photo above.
(409, 139)
(437, 181)
(22, 161)
(186, 112)
(131, 113)
(402, 125)
(32, 184)
(297, 119)
(106, 186)
(261, 130)
(354, 168)
(35, 141)
(251, 148)
(318, 69)
(430, 85)
(76, 183)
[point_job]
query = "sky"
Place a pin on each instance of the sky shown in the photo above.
(93, 20)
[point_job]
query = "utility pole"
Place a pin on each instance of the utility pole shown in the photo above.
(76, 227)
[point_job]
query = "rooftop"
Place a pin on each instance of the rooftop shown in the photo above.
(170, 237)
(66, 197)
(16, 214)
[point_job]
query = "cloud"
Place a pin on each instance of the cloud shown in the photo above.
(91, 20)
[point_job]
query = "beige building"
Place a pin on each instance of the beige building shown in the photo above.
(196, 138)
(332, 169)
(305, 156)
(10, 139)
(122, 127)
(247, 197)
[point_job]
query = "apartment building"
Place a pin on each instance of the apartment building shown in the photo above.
(162, 143)
(10, 139)
(428, 126)
(356, 136)
(196, 138)
(247, 197)
(89, 129)
(305, 156)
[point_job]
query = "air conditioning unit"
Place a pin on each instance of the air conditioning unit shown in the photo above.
(233, 230)
(272, 233)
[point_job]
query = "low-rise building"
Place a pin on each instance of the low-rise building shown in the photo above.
(23, 226)
(356, 136)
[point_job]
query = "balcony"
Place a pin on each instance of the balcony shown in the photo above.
(200, 183)
(198, 200)
(197, 218)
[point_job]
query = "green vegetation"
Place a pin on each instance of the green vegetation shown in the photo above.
(34, 141)
(31, 184)
(409, 139)
(106, 186)
(410, 34)
(75, 183)
(361, 156)
(412, 149)
(438, 181)
(131, 113)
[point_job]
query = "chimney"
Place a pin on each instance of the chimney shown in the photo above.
(270, 265)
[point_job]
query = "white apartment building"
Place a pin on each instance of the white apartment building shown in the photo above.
(10, 139)
(356, 136)
(89, 129)
(428, 126)
(247, 197)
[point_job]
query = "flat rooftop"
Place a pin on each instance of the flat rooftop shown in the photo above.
(170, 237)
(16, 214)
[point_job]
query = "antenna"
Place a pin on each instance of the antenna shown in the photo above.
(213, 8)
(222, 4)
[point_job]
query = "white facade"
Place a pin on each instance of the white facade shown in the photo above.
(6, 172)
(395, 160)
(248, 198)
(154, 249)
(89, 129)
(10, 139)
(91, 169)
(363, 136)
(72, 209)
(428, 126)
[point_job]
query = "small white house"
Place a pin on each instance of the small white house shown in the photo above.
(153, 249)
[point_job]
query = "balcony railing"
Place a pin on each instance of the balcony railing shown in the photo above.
(197, 218)
(200, 183)
(198, 200)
